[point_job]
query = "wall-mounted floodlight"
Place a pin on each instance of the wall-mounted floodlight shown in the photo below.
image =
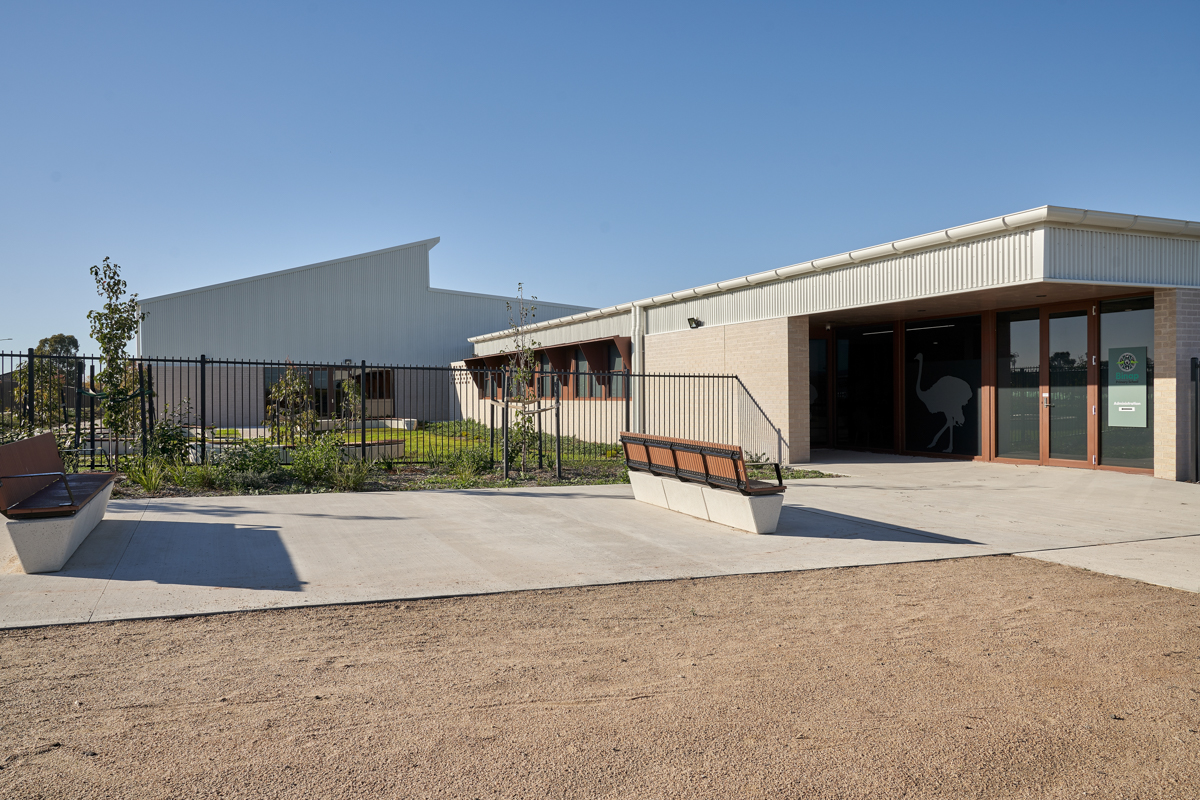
(348, 361)
(694, 323)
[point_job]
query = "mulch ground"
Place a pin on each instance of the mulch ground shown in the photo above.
(986, 677)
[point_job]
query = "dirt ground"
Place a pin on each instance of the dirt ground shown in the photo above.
(986, 677)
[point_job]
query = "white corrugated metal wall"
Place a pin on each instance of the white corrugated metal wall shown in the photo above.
(375, 306)
(599, 328)
(1107, 257)
(996, 261)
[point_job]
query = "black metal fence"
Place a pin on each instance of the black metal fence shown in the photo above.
(194, 409)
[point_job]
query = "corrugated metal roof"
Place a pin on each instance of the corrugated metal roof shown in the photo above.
(885, 253)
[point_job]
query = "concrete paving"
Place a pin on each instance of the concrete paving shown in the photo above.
(205, 555)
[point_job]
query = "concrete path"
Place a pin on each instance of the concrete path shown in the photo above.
(205, 555)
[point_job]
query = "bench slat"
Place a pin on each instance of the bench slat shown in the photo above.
(717, 465)
(55, 501)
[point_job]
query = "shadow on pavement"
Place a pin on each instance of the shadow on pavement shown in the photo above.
(817, 524)
(194, 553)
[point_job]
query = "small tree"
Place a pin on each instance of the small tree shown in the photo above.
(522, 364)
(290, 412)
(113, 328)
(350, 391)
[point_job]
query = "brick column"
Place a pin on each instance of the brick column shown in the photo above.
(799, 392)
(1176, 341)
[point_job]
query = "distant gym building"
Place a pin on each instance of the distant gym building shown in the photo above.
(375, 306)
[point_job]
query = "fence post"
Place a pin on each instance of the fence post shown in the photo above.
(557, 427)
(492, 429)
(78, 409)
(142, 405)
(29, 373)
(538, 391)
(628, 391)
(150, 415)
(504, 399)
(362, 398)
(92, 416)
(1196, 419)
(203, 409)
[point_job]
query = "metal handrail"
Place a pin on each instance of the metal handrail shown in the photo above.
(62, 475)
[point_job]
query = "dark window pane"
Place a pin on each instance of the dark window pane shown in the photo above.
(818, 392)
(583, 381)
(864, 402)
(616, 365)
(1127, 383)
(1018, 384)
(546, 382)
(942, 375)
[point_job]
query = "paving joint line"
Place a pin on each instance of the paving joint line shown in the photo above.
(1106, 544)
(116, 566)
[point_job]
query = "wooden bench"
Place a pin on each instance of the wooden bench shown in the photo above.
(49, 512)
(703, 479)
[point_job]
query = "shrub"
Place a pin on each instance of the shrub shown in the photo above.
(316, 461)
(247, 480)
(469, 461)
(252, 455)
(351, 476)
(147, 473)
(202, 476)
(168, 441)
(176, 471)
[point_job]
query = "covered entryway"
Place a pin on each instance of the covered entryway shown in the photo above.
(1058, 384)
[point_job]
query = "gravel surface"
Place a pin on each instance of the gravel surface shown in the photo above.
(984, 677)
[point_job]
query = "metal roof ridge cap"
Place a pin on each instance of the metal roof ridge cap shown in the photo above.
(276, 273)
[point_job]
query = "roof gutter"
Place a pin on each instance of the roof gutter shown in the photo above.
(1059, 215)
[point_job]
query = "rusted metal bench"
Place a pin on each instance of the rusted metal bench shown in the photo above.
(48, 511)
(703, 479)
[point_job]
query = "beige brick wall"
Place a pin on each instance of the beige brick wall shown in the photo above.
(771, 358)
(1176, 341)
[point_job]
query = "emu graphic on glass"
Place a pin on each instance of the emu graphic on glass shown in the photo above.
(1018, 384)
(1068, 385)
(943, 376)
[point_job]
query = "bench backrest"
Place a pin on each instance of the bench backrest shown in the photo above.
(39, 454)
(721, 464)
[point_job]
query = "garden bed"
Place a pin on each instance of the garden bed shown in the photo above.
(409, 477)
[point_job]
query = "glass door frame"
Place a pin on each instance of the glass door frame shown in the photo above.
(1093, 394)
(1091, 309)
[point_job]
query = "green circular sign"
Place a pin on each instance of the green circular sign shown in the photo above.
(1127, 362)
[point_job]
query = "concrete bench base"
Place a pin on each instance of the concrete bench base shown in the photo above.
(758, 514)
(45, 545)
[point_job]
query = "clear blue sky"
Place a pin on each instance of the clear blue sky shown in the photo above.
(598, 153)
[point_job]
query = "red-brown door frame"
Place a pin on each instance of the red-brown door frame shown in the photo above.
(1093, 337)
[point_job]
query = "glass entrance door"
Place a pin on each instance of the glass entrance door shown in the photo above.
(1067, 376)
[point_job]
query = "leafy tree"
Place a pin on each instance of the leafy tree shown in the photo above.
(113, 328)
(49, 392)
(350, 393)
(522, 394)
(60, 344)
